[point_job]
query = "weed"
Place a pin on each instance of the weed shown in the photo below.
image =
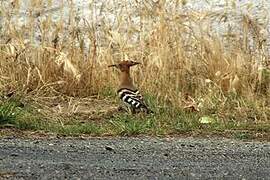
(242, 135)
(10, 110)
(8, 113)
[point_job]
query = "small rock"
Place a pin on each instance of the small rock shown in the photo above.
(36, 142)
(14, 154)
(166, 154)
(109, 148)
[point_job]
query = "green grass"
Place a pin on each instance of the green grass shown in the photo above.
(165, 121)
(9, 112)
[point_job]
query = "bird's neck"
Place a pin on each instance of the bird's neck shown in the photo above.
(126, 80)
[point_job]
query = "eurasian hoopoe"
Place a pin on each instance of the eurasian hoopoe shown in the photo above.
(127, 91)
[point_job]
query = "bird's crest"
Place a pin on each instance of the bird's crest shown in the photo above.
(124, 65)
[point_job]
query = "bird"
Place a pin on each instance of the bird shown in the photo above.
(127, 92)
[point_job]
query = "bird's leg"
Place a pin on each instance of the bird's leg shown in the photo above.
(133, 110)
(122, 108)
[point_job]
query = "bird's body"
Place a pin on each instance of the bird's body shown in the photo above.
(132, 98)
(127, 92)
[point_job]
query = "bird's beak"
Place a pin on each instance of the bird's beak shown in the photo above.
(113, 65)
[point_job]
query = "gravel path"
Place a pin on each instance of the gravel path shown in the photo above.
(133, 158)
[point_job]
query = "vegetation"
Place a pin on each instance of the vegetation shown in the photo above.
(190, 70)
(8, 113)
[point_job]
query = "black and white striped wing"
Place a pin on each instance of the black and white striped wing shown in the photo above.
(132, 98)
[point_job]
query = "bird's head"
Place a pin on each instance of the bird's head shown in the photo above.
(124, 65)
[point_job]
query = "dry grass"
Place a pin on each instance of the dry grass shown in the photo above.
(187, 63)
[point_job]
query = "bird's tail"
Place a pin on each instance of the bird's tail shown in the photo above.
(147, 110)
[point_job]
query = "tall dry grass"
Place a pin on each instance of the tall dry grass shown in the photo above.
(186, 61)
